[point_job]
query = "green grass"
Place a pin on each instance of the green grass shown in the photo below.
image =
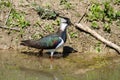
(118, 14)
(95, 12)
(46, 13)
(56, 22)
(106, 27)
(67, 5)
(49, 28)
(36, 35)
(117, 2)
(4, 4)
(104, 13)
(109, 11)
(98, 47)
(118, 23)
(17, 19)
(73, 34)
(95, 25)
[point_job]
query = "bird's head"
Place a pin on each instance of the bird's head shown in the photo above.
(64, 22)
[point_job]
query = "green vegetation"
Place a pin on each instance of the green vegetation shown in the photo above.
(36, 35)
(118, 14)
(73, 34)
(49, 27)
(117, 2)
(104, 13)
(63, 2)
(95, 13)
(46, 13)
(4, 3)
(94, 25)
(48, 5)
(118, 23)
(98, 47)
(17, 19)
(56, 22)
(106, 27)
(67, 5)
(109, 12)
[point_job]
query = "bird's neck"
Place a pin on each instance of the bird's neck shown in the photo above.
(63, 26)
(62, 31)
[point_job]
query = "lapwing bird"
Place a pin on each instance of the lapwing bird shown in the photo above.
(51, 42)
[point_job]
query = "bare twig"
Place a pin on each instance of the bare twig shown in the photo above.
(7, 17)
(5, 27)
(95, 34)
(82, 17)
(99, 37)
(80, 20)
(8, 14)
(69, 37)
(84, 13)
(42, 28)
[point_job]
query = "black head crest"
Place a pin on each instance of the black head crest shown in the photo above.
(65, 20)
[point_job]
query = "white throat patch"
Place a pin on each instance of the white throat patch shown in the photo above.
(63, 26)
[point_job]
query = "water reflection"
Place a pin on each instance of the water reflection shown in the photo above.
(110, 72)
(17, 66)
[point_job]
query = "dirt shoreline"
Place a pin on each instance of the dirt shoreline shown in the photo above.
(80, 41)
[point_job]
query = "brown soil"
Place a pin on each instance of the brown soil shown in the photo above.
(83, 43)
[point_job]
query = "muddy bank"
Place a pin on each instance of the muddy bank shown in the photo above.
(80, 41)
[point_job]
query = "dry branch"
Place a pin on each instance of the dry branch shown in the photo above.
(99, 37)
(5, 27)
(8, 16)
(70, 41)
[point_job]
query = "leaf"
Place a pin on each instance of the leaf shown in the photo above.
(107, 27)
(94, 25)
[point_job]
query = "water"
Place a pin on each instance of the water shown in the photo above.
(107, 73)
(17, 66)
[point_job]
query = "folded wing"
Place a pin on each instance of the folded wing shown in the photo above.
(48, 42)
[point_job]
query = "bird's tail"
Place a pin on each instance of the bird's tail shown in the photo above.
(29, 43)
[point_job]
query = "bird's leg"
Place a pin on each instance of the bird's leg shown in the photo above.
(51, 56)
(41, 52)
